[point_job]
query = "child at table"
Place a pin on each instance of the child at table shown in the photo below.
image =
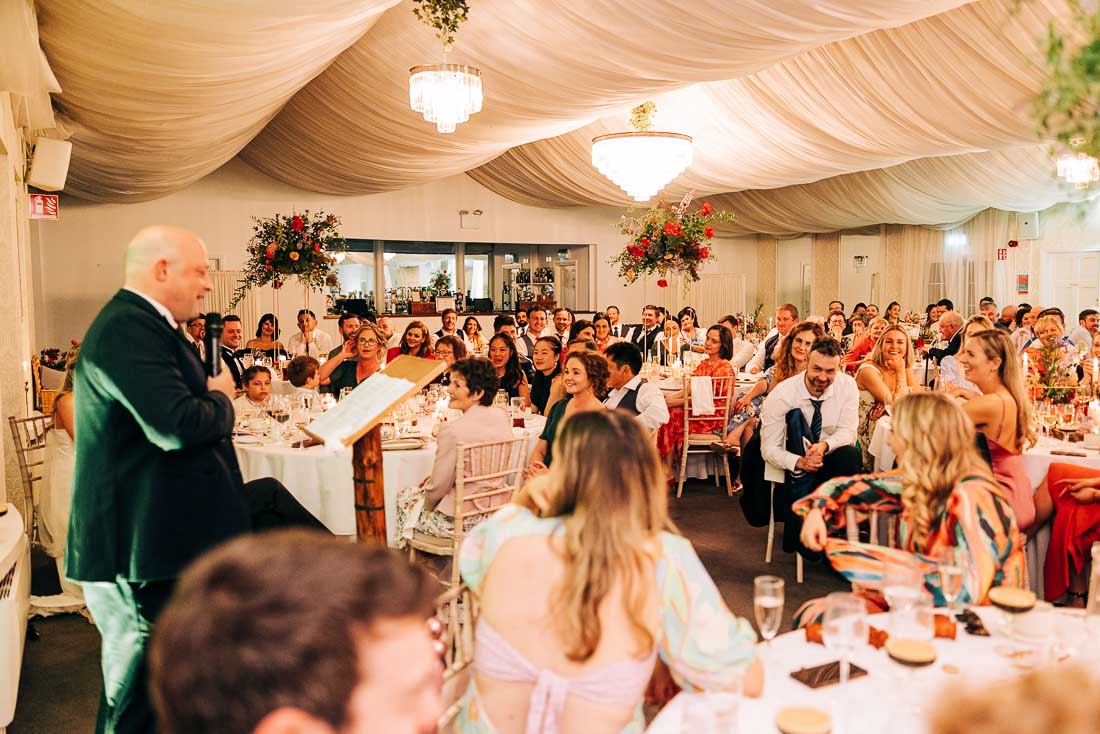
(256, 381)
(301, 372)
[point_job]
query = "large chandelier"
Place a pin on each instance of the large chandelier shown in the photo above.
(445, 94)
(642, 162)
(1078, 169)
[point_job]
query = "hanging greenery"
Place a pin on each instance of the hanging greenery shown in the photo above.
(443, 15)
(1066, 108)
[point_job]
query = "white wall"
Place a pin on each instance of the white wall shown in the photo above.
(78, 260)
(856, 286)
(794, 255)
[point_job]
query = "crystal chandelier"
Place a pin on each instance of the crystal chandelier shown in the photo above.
(642, 162)
(1078, 169)
(445, 94)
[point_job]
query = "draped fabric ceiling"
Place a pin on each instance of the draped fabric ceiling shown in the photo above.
(808, 115)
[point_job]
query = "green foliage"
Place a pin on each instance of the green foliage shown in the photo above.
(1066, 108)
(440, 282)
(443, 15)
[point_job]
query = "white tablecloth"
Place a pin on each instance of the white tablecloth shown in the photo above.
(321, 478)
(869, 704)
(14, 551)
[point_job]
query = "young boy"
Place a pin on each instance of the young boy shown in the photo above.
(301, 372)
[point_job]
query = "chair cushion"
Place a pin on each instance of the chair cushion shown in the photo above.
(432, 544)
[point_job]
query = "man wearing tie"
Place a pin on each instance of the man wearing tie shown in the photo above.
(232, 336)
(195, 332)
(618, 329)
(786, 316)
(647, 335)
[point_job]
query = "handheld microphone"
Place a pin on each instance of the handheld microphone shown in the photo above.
(213, 343)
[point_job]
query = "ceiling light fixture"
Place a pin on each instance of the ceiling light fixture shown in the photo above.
(1078, 169)
(446, 94)
(642, 162)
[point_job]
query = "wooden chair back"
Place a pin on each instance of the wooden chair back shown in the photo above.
(456, 612)
(723, 390)
(879, 523)
(29, 437)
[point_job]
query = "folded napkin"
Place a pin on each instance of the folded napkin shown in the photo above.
(702, 396)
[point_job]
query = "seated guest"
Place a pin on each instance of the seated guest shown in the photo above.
(1085, 377)
(893, 313)
(793, 355)
(951, 377)
(604, 338)
(950, 324)
(1007, 321)
(267, 338)
(232, 336)
(1002, 412)
(582, 584)
(786, 316)
(546, 386)
(257, 389)
(585, 381)
(416, 342)
(360, 358)
(743, 349)
(872, 311)
(672, 346)
(348, 325)
(194, 331)
(670, 437)
(310, 340)
(930, 315)
(860, 349)
(563, 321)
(1088, 323)
(430, 507)
(54, 496)
(857, 329)
(884, 376)
(1023, 334)
(1049, 336)
(630, 392)
(474, 338)
(301, 372)
(1072, 494)
(513, 380)
(582, 329)
(836, 325)
(579, 345)
(808, 430)
(449, 317)
(948, 501)
(299, 633)
(690, 329)
(506, 326)
(450, 349)
(520, 317)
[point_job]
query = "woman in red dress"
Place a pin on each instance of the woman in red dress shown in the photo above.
(1072, 494)
(719, 348)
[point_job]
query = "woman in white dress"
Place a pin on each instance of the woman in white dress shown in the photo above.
(57, 485)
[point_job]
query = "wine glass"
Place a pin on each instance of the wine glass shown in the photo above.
(1048, 416)
(767, 603)
(950, 571)
(844, 626)
(902, 585)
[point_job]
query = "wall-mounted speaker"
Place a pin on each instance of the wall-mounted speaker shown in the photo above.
(50, 164)
(1027, 225)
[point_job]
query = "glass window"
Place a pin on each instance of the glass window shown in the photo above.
(416, 264)
(356, 274)
(477, 275)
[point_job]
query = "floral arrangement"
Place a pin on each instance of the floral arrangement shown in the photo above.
(668, 239)
(753, 324)
(440, 283)
(1052, 371)
(912, 317)
(1066, 106)
(925, 337)
(53, 358)
(443, 15)
(544, 274)
(298, 246)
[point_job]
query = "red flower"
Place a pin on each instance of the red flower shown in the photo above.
(269, 267)
(296, 223)
(705, 210)
(635, 251)
(645, 242)
(316, 248)
(708, 232)
(271, 250)
(662, 283)
(670, 228)
(704, 253)
(920, 344)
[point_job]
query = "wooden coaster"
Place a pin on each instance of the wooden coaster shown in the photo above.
(802, 720)
(1011, 599)
(911, 652)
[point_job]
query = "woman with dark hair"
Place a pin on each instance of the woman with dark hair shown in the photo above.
(893, 313)
(267, 338)
(688, 320)
(472, 328)
(582, 329)
(415, 342)
(450, 349)
(1024, 333)
(546, 387)
(670, 437)
(505, 360)
(430, 507)
(360, 358)
(585, 381)
(604, 338)
(928, 319)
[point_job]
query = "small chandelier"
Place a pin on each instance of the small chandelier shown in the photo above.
(445, 94)
(1078, 169)
(642, 162)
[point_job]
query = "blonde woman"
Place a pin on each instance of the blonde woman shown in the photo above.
(884, 376)
(1050, 334)
(583, 583)
(948, 501)
(950, 379)
(476, 342)
(861, 348)
(1002, 413)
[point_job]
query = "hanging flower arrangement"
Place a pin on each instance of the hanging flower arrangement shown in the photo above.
(282, 247)
(440, 283)
(666, 239)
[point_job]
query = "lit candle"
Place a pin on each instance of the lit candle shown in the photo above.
(1095, 368)
(1027, 364)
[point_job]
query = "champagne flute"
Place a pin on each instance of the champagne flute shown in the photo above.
(950, 571)
(844, 626)
(767, 603)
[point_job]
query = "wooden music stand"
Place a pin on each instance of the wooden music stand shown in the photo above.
(356, 421)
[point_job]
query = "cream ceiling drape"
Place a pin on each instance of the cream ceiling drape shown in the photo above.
(808, 115)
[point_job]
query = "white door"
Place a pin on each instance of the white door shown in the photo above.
(794, 273)
(1074, 283)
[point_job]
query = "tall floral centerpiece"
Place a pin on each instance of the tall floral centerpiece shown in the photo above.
(667, 239)
(297, 246)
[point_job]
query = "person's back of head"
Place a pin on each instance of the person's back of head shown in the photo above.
(625, 353)
(501, 321)
(301, 369)
(293, 628)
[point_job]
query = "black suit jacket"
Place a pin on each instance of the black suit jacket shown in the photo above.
(646, 341)
(156, 481)
(952, 348)
(232, 363)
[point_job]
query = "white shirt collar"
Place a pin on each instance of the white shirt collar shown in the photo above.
(804, 392)
(160, 307)
(634, 383)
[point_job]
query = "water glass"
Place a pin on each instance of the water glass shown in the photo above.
(951, 575)
(844, 626)
(517, 406)
(767, 603)
(902, 585)
(344, 392)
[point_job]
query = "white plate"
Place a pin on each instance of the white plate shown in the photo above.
(247, 439)
(403, 444)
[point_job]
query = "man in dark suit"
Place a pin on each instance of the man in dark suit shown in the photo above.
(232, 336)
(950, 336)
(646, 335)
(156, 480)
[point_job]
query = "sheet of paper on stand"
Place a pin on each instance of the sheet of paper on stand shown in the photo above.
(363, 405)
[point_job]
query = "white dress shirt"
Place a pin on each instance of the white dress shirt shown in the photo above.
(652, 408)
(321, 345)
(743, 351)
(839, 419)
(758, 356)
(198, 345)
(1081, 335)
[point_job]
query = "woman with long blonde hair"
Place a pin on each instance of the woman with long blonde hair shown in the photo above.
(582, 583)
(950, 378)
(885, 376)
(1002, 413)
(948, 500)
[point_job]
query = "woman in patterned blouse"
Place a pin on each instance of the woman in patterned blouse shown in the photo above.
(947, 499)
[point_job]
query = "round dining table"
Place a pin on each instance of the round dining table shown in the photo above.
(321, 478)
(889, 698)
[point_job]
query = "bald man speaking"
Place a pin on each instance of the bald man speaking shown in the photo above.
(156, 480)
